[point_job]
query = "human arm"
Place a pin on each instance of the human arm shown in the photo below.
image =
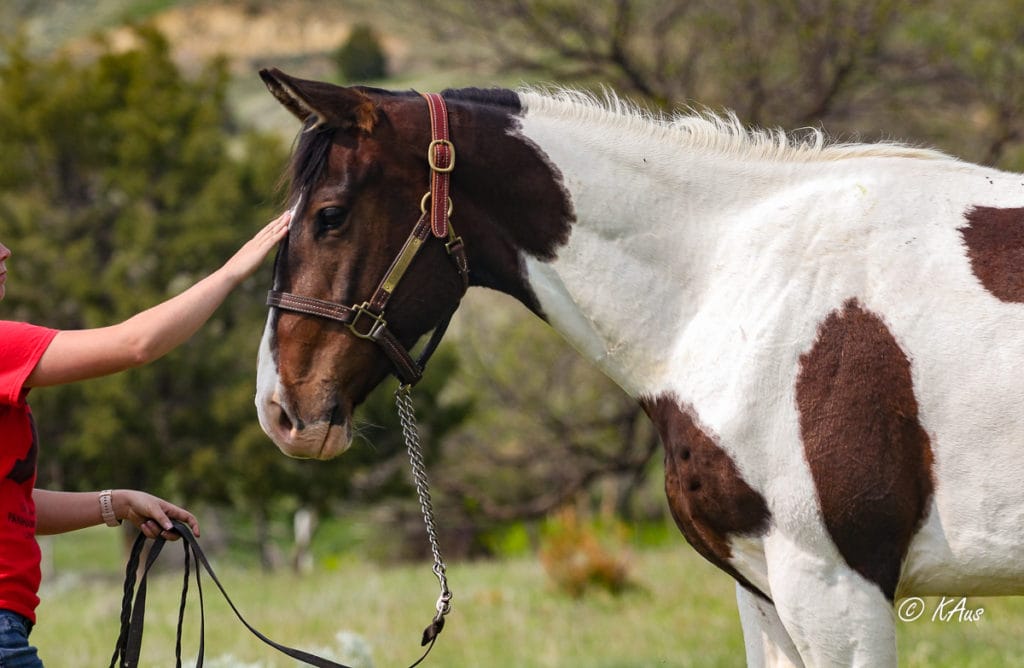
(89, 353)
(60, 512)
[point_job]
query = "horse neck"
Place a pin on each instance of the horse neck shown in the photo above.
(651, 220)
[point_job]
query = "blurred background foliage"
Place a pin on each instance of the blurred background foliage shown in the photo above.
(138, 150)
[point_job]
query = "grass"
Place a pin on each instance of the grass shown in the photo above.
(680, 613)
(505, 614)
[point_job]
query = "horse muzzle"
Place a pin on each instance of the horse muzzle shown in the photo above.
(319, 428)
(324, 438)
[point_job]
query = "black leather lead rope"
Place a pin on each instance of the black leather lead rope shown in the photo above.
(129, 640)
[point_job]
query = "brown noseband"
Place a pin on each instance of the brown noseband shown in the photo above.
(366, 320)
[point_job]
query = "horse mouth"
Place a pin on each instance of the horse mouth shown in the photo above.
(324, 439)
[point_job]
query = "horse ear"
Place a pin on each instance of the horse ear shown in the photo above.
(329, 105)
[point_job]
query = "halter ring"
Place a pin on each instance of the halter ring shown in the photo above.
(423, 203)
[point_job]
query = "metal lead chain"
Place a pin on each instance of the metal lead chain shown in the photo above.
(407, 416)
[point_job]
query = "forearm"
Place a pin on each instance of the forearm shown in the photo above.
(80, 354)
(156, 331)
(89, 353)
(59, 512)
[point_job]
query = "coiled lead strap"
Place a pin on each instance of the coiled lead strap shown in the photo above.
(133, 608)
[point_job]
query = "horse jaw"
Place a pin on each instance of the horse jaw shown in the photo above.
(317, 440)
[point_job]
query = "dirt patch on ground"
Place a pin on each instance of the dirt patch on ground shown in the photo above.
(250, 36)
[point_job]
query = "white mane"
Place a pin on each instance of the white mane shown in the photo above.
(708, 131)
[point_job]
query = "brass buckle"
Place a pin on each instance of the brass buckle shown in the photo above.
(431, 153)
(379, 323)
(454, 240)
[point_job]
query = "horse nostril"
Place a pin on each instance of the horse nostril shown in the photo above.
(284, 422)
(337, 416)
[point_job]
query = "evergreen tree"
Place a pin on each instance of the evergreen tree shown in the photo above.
(122, 181)
(119, 187)
(361, 57)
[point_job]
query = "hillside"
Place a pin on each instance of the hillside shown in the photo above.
(299, 36)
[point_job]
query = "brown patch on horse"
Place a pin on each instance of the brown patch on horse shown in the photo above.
(509, 196)
(995, 245)
(869, 456)
(709, 499)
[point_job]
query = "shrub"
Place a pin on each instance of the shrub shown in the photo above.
(577, 560)
(361, 56)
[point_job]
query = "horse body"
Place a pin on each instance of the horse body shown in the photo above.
(716, 292)
(825, 338)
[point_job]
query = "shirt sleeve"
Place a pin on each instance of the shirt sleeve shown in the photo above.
(21, 347)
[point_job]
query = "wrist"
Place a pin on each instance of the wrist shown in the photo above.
(107, 512)
(233, 274)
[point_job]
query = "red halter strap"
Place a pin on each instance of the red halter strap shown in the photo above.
(441, 157)
(366, 320)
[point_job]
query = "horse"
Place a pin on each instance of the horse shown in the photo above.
(826, 335)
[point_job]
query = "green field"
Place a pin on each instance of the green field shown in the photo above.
(506, 614)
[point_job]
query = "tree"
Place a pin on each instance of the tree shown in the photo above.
(361, 57)
(787, 62)
(548, 430)
(962, 82)
(119, 188)
(121, 183)
(940, 73)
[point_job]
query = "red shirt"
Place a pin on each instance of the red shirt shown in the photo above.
(21, 346)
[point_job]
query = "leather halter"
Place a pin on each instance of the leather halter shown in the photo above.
(366, 320)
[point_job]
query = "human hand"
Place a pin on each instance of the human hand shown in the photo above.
(151, 514)
(244, 262)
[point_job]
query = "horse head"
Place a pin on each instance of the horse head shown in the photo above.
(358, 178)
(371, 262)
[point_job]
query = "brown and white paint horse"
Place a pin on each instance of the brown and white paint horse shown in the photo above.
(826, 336)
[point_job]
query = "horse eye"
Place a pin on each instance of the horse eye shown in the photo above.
(331, 218)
